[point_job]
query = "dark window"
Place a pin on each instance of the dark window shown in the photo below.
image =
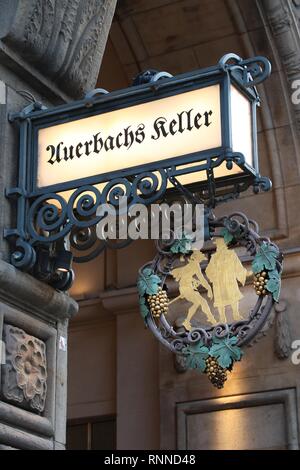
(77, 437)
(92, 434)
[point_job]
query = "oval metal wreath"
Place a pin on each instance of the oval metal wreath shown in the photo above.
(211, 349)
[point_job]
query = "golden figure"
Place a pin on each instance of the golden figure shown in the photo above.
(190, 278)
(224, 271)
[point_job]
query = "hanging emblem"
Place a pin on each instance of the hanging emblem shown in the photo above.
(207, 322)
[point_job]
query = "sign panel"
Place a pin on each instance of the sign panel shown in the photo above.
(241, 124)
(141, 134)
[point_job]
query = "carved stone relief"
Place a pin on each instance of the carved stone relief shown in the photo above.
(64, 39)
(24, 376)
(283, 335)
(283, 17)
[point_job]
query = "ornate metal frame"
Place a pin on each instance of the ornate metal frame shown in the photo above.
(245, 233)
(42, 224)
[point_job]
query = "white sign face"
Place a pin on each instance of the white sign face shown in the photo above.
(241, 125)
(145, 133)
(62, 344)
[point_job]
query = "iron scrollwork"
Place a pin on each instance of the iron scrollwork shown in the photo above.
(212, 345)
(46, 219)
(250, 71)
(52, 217)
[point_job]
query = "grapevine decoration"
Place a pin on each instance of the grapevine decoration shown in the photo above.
(260, 283)
(158, 303)
(210, 335)
(216, 374)
(267, 275)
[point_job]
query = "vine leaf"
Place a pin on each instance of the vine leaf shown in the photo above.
(143, 308)
(148, 282)
(274, 284)
(196, 355)
(228, 236)
(182, 245)
(265, 258)
(225, 351)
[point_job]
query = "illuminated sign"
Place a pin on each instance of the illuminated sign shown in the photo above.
(159, 130)
(194, 134)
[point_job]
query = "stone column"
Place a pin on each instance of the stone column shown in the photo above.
(137, 373)
(50, 51)
(33, 327)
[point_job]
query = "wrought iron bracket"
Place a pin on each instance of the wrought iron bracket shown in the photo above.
(92, 95)
(262, 183)
(32, 107)
(44, 217)
(14, 193)
(250, 72)
(150, 76)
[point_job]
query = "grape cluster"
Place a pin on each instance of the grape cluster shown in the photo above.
(216, 374)
(260, 281)
(158, 303)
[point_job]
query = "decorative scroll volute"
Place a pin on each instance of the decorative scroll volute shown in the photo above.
(206, 291)
(64, 39)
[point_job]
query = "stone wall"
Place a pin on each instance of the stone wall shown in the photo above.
(164, 408)
(50, 51)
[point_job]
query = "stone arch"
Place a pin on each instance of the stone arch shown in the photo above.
(180, 36)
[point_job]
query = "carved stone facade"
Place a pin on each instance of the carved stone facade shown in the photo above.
(63, 39)
(50, 50)
(259, 406)
(284, 19)
(283, 339)
(53, 48)
(24, 375)
(33, 328)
